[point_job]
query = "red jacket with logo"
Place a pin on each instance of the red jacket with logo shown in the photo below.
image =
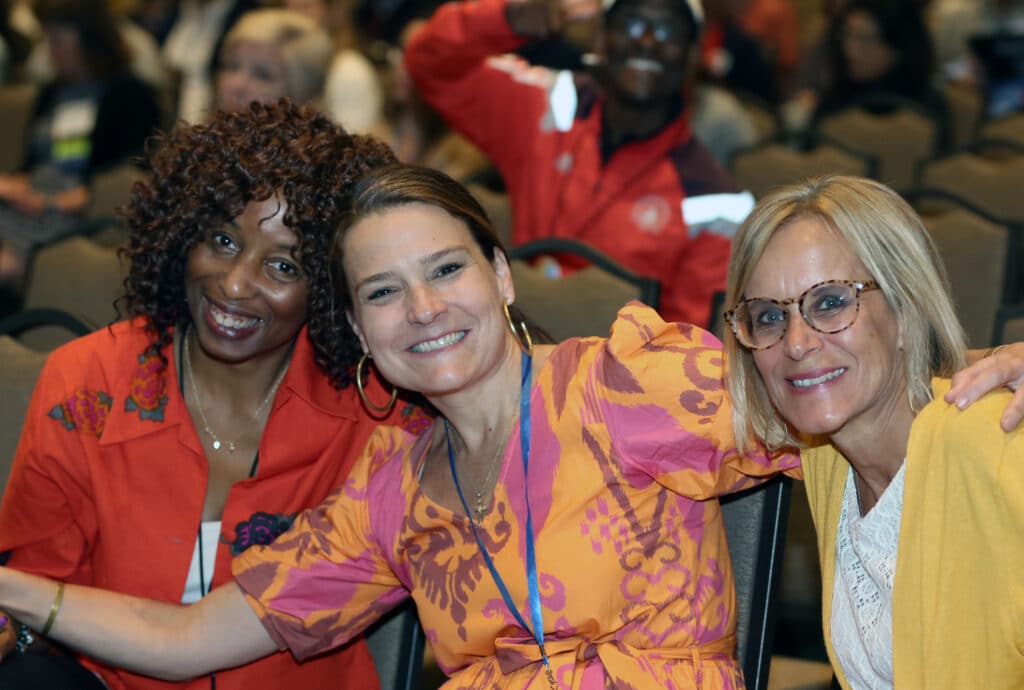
(630, 207)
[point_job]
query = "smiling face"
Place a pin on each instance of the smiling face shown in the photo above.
(840, 384)
(246, 290)
(648, 50)
(251, 71)
(426, 302)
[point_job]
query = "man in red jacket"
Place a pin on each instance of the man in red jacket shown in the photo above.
(606, 158)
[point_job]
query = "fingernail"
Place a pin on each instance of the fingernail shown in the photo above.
(3, 622)
(961, 403)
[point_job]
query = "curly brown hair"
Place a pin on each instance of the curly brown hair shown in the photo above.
(204, 175)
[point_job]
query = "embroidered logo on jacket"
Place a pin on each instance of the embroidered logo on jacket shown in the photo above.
(85, 410)
(148, 389)
(260, 529)
(650, 213)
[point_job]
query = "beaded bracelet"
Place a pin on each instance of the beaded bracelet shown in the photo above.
(24, 639)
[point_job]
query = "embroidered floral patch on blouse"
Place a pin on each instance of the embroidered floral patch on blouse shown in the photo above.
(261, 528)
(148, 389)
(85, 410)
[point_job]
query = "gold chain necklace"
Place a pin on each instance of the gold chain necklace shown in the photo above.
(217, 445)
(481, 507)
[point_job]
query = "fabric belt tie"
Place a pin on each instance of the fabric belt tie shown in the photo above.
(617, 657)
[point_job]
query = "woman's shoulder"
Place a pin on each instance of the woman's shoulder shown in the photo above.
(111, 361)
(118, 342)
(641, 344)
(644, 363)
(638, 326)
(391, 443)
(943, 430)
(944, 418)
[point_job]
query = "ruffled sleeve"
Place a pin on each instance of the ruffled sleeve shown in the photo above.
(668, 414)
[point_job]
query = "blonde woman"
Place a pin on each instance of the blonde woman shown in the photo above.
(843, 340)
(272, 54)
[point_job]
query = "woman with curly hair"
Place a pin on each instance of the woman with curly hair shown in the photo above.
(157, 449)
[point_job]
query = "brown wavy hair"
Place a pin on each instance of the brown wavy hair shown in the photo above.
(204, 175)
(399, 184)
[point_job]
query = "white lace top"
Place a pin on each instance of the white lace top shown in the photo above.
(862, 592)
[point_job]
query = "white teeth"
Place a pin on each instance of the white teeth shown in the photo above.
(806, 383)
(437, 344)
(644, 64)
(229, 321)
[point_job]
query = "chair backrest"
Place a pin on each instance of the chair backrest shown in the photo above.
(718, 325)
(1011, 127)
(901, 140)
(21, 367)
(976, 251)
(966, 105)
(16, 103)
(498, 210)
(1009, 325)
(582, 303)
(762, 115)
(762, 168)
(991, 184)
(396, 644)
(110, 189)
(75, 275)
(755, 526)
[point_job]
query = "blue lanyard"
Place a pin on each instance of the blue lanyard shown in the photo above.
(531, 556)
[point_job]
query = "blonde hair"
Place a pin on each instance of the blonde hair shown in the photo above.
(306, 49)
(887, 236)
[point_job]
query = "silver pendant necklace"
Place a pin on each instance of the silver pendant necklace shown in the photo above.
(216, 442)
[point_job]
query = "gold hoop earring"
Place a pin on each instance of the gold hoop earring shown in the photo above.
(362, 392)
(522, 335)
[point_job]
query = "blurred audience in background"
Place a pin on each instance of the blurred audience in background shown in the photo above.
(93, 114)
(15, 41)
(413, 129)
(876, 54)
(353, 95)
(191, 49)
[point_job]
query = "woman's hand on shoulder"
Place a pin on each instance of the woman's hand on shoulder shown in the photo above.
(999, 367)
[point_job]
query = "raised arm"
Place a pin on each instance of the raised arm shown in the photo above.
(497, 106)
(661, 396)
(153, 638)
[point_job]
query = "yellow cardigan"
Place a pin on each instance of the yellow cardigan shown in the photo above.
(958, 598)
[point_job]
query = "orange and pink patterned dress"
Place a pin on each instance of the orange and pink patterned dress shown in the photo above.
(631, 437)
